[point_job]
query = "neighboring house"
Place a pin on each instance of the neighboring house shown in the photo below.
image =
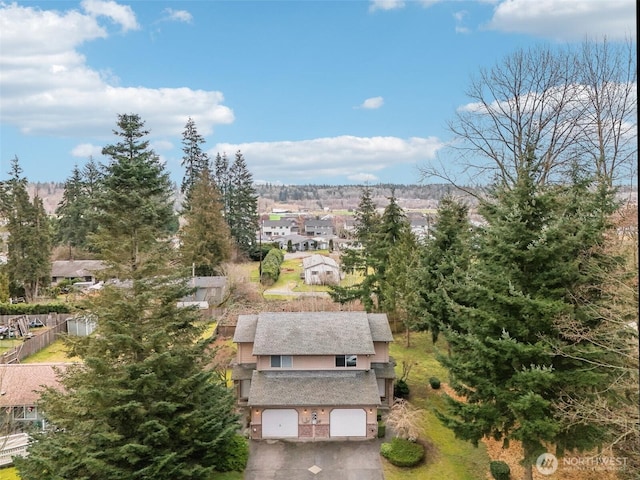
(318, 227)
(279, 228)
(20, 386)
(299, 243)
(320, 270)
(84, 270)
(210, 292)
(313, 375)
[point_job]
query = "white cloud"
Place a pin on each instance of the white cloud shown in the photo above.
(86, 150)
(46, 86)
(566, 20)
(177, 15)
(162, 145)
(120, 14)
(385, 5)
(372, 103)
(334, 157)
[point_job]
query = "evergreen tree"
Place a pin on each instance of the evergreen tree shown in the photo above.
(221, 179)
(142, 404)
(359, 261)
(29, 243)
(444, 260)
(134, 206)
(73, 213)
(242, 216)
(194, 160)
(205, 238)
(531, 258)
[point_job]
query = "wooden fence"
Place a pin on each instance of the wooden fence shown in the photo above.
(56, 324)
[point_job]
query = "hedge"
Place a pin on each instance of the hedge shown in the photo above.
(33, 308)
(434, 382)
(402, 453)
(271, 266)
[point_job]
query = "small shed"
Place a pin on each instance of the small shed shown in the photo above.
(209, 292)
(320, 270)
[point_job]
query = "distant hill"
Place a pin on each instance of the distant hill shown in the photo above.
(315, 198)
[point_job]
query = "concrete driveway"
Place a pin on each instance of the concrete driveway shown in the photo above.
(331, 460)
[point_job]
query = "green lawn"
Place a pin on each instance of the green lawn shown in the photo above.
(54, 353)
(449, 457)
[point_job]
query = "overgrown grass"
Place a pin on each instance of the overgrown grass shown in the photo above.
(54, 353)
(447, 457)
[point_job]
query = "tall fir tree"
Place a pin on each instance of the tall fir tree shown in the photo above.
(205, 241)
(73, 213)
(530, 259)
(194, 159)
(221, 179)
(134, 207)
(367, 221)
(242, 216)
(444, 260)
(30, 237)
(142, 403)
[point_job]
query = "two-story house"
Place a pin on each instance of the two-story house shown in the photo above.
(318, 227)
(313, 375)
(279, 228)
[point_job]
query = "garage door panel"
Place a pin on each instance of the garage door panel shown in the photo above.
(279, 423)
(348, 422)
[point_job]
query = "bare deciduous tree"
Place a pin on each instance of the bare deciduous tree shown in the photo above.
(571, 106)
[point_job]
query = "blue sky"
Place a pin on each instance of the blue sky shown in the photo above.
(334, 92)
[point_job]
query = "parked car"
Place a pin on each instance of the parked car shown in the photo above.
(6, 332)
(36, 323)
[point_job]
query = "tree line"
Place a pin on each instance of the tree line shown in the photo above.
(219, 211)
(538, 306)
(143, 402)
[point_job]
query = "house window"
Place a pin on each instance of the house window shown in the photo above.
(346, 360)
(281, 361)
(314, 272)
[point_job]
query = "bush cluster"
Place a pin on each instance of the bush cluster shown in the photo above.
(382, 429)
(33, 308)
(271, 266)
(234, 455)
(402, 453)
(500, 470)
(434, 382)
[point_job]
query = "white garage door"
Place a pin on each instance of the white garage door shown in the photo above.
(348, 422)
(279, 423)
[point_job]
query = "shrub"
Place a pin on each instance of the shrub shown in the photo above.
(434, 382)
(382, 429)
(271, 266)
(401, 389)
(234, 455)
(402, 453)
(500, 470)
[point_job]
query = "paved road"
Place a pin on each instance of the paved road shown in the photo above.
(282, 460)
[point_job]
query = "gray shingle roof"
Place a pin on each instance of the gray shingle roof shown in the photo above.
(312, 333)
(245, 328)
(242, 372)
(308, 388)
(380, 330)
(76, 268)
(316, 259)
